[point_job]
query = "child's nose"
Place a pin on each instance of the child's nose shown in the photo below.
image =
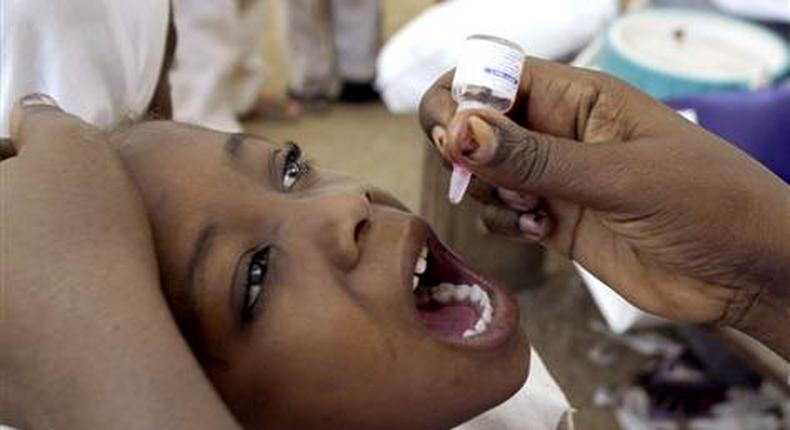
(343, 218)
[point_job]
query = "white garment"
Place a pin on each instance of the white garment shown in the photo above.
(539, 405)
(100, 59)
(218, 70)
(429, 45)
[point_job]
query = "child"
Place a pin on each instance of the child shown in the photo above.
(358, 356)
(311, 300)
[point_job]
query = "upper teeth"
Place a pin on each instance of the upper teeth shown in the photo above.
(445, 293)
(420, 266)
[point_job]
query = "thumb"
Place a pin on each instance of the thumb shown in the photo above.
(20, 113)
(501, 152)
(39, 125)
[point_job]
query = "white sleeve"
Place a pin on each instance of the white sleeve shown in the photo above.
(100, 59)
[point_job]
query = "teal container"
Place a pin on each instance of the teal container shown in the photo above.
(671, 53)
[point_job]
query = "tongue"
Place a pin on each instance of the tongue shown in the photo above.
(450, 320)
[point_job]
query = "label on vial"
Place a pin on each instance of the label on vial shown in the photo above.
(490, 65)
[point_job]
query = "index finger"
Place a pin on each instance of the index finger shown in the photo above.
(437, 106)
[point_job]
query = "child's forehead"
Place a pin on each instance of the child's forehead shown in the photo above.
(235, 142)
(142, 137)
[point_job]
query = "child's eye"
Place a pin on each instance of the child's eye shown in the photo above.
(256, 278)
(291, 174)
(294, 167)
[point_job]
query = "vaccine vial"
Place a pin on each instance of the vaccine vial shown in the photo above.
(486, 77)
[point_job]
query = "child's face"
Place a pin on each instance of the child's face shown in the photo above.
(294, 288)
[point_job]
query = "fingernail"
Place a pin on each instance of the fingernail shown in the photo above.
(37, 99)
(532, 223)
(456, 136)
(28, 101)
(456, 129)
(485, 140)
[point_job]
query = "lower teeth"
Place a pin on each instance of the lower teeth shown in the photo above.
(446, 293)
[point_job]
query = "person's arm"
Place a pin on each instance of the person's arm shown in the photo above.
(678, 221)
(86, 341)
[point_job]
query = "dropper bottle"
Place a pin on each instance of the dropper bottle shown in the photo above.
(487, 77)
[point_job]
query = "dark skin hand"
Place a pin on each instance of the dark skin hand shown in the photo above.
(86, 340)
(678, 221)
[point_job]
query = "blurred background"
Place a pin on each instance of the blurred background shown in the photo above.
(620, 368)
(367, 129)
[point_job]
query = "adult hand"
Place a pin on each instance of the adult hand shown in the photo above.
(86, 340)
(679, 222)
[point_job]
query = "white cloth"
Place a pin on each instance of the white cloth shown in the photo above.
(100, 59)
(769, 10)
(618, 313)
(218, 70)
(429, 45)
(539, 405)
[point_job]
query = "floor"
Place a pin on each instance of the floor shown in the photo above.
(386, 150)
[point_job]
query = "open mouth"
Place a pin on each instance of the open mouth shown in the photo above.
(456, 304)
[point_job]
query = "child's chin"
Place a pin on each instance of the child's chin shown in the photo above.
(511, 375)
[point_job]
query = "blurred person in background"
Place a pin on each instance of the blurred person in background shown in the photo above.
(330, 42)
(219, 69)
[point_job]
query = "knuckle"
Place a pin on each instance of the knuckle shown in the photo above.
(498, 220)
(526, 157)
(603, 82)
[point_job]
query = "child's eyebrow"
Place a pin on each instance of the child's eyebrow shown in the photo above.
(200, 249)
(233, 145)
(236, 142)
